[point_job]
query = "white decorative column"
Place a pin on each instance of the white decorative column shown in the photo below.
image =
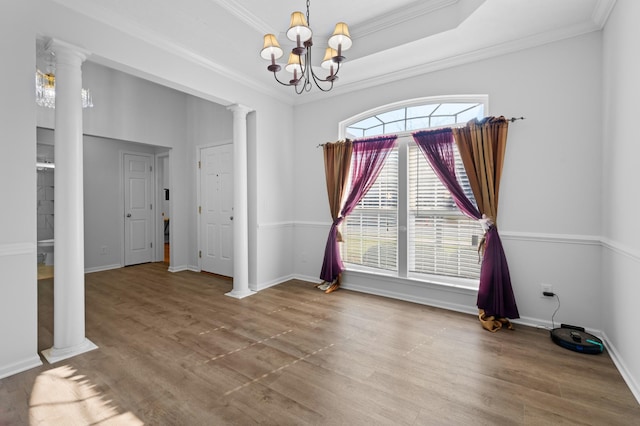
(68, 281)
(240, 204)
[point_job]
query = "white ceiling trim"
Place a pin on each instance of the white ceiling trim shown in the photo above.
(457, 60)
(246, 16)
(131, 28)
(397, 17)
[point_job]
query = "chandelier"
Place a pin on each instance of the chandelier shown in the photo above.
(299, 63)
(46, 91)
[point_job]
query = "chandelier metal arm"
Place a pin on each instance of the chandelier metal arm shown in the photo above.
(300, 57)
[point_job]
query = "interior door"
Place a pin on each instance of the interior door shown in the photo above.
(138, 209)
(216, 210)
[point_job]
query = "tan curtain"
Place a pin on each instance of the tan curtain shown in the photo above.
(482, 145)
(337, 162)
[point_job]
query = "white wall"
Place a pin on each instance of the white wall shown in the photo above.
(549, 214)
(18, 280)
(621, 228)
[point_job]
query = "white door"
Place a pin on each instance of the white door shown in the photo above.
(216, 210)
(138, 209)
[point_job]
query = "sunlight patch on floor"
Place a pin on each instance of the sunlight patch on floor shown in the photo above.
(60, 396)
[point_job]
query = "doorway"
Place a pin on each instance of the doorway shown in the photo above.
(216, 210)
(163, 213)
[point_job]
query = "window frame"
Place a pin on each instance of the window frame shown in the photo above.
(404, 140)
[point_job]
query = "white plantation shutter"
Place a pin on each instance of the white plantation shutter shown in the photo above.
(371, 230)
(442, 241)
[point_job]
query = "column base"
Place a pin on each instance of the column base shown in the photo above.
(240, 294)
(54, 354)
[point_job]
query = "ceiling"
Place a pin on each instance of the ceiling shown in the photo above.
(391, 39)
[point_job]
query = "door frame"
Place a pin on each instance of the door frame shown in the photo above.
(200, 148)
(159, 229)
(121, 204)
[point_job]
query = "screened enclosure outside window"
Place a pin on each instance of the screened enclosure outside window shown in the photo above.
(440, 240)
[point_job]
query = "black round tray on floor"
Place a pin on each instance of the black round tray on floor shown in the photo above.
(577, 340)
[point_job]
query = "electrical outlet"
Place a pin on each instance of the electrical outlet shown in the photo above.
(545, 288)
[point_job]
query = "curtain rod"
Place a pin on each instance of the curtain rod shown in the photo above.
(512, 119)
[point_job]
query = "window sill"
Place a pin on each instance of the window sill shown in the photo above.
(441, 283)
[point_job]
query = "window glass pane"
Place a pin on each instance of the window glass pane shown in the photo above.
(452, 109)
(417, 123)
(475, 112)
(353, 133)
(378, 130)
(442, 121)
(396, 115)
(421, 110)
(394, 127)
(366, 123)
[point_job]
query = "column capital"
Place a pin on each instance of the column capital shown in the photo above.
(63, 49)
(239, 110)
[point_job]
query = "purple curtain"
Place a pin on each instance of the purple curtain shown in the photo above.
(437, 147)
(495, 294)
(367, 160)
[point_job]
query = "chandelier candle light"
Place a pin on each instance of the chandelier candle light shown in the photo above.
(46, 91)
(299, 63)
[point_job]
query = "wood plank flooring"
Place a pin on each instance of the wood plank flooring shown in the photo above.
(173, 350)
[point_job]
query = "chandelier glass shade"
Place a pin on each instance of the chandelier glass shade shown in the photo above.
(46, 91)
(299, 63)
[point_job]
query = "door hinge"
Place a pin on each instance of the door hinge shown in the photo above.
(200, 253)
(151, 245)
(200, 209)
(150, 206)
(199, 165)
(150, 168)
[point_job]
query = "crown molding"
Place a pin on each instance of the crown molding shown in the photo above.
(131, 28)
(396, 17)
(246, 16)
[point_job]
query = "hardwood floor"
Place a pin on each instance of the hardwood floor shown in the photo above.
(173, 350)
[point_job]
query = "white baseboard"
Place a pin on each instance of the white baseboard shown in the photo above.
(622, 367)
(20, 366)
(102, 268)
(307, 278)
(178, 268)
(272, 283)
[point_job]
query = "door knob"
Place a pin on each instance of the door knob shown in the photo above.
(230, 217)
(128, 214)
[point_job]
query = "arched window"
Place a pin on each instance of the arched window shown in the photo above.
(407, 224)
